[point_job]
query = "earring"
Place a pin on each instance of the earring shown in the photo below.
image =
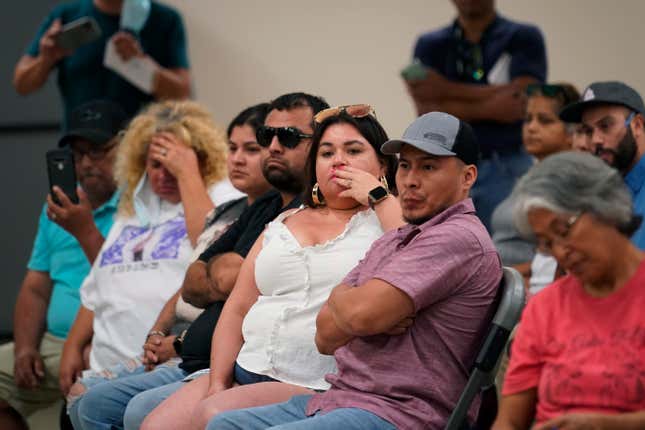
(383, 180)
(316, 196)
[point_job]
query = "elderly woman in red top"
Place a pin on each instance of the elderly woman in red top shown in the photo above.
(578, 360)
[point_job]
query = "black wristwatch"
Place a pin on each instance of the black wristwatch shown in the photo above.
(179, 342)
(377, 195)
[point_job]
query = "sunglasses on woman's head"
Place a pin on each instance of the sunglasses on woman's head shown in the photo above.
(355, 111)
(289, 137)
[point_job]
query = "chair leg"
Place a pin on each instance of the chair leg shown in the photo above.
(63, 419)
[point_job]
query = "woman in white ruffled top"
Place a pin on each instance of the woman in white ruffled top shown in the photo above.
(263, 347)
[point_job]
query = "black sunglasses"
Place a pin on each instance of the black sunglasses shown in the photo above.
(289, 137)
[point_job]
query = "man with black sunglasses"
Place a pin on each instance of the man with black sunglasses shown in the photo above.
(476, 69)
(613, 118)
(286, 137)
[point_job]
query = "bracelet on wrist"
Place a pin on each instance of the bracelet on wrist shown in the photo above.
(155, 333)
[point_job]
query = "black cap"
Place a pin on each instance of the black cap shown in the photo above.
(440, 134)
(598, 93)
(96, 121)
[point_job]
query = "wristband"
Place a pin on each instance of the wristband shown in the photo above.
(155, 333)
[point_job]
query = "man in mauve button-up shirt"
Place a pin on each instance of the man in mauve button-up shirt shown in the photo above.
(405, 324)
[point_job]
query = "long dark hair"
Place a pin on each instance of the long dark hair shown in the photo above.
(252, 116)
(370, 129)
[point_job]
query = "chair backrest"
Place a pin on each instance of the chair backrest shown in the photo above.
(505, 318)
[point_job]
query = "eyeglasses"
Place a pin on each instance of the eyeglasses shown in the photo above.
(289, 137)
(545, 246)
(355, 111)
(94, 154)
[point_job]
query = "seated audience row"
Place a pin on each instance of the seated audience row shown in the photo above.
(320, 280)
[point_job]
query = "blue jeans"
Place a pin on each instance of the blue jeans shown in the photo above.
(291, 416)
(144, 402)
(496, 177)
(103, 405)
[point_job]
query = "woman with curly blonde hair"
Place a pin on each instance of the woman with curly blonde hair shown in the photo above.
(179, 140)
(171, 168)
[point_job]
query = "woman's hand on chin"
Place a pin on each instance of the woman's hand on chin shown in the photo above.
(177, 157)
(358, 183)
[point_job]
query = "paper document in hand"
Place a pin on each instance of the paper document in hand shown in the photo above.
(500, 73)
(139, 71)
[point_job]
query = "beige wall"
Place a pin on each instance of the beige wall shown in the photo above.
(351, 51)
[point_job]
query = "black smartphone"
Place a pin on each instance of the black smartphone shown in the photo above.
(61, 171)
(77, 33)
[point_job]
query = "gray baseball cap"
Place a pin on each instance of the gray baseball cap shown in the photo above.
(440, 134)
(598, 93)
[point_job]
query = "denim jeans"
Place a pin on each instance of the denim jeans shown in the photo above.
(143, 403)
(496, 177)
(103, 405)
(291, 416)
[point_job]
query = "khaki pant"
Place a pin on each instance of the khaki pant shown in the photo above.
(27, 401)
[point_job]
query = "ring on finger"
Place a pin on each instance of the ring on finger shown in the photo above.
(53, 216)
(164, 152)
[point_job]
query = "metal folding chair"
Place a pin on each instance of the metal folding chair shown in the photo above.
(482, 377)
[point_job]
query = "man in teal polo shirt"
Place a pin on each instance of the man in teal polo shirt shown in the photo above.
(49, 296)
(82, 75)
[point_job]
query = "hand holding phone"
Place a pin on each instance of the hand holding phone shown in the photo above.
(62, 173)
(77, 33)
(47, 47)
(414, 71)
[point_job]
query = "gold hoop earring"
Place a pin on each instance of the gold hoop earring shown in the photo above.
(316, 196)
(383, 180)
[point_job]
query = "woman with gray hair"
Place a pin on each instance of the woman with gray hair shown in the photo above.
(578, 358)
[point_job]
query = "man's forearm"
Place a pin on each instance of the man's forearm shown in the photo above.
(329, 337)
(197, 289)
(91, 242)
(451, 90)
(223, 270)
(171, 83)
(29, 319)
(375, 307)
(30, 74)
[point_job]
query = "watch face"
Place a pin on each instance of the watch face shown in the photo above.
(377, 194)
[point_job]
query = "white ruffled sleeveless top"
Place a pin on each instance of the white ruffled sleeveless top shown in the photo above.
(294, 282)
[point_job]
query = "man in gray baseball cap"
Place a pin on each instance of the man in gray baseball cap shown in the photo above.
(396, 308)
(437, 168)
(613, 118)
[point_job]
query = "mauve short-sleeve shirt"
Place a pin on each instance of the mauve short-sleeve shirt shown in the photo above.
(450, 269)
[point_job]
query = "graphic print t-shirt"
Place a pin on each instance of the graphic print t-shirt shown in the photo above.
(139, 268)
(582, 353)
